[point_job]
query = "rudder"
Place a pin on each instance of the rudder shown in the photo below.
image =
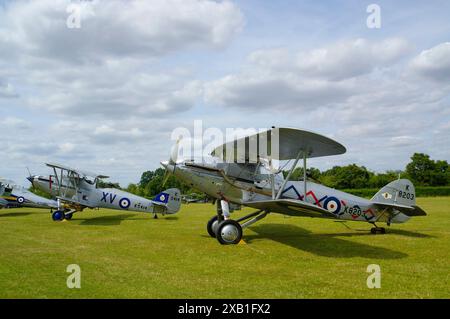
(171, 199)
(398, 192)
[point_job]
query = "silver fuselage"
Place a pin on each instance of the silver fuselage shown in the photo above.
(88, 195)
(243, 188)
(13, 195)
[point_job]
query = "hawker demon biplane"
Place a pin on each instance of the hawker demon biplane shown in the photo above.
(76, 190)
(13, 195)
(235, 177)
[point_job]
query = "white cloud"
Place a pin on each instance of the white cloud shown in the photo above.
(11, 122)
(434, 63)
(7, 90)
(117, 28)
(110, 67)
(344, 59)
(350, 76)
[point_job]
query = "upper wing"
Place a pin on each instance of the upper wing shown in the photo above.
(291, 207)
(74, 170)
(279, 143)
(407, 210)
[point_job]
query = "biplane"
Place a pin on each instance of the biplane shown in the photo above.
(77, 189)
(242, 173)
(13, 195)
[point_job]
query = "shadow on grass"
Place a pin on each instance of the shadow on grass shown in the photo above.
(320, 244)
(111, 220)
(365, 232)
(170, 218)
(14, 214)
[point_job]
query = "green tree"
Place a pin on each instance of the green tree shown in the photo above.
(381, 179)
(425, 172)
(146, 177)
(350, 176)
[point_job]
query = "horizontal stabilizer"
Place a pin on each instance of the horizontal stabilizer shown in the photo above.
(407, 210)
(170, 199)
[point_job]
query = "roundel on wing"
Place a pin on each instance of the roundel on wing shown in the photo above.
(124, 203)
(332, 205)
(20, 200)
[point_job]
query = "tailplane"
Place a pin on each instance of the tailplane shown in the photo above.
(170, 199)
(400, 195)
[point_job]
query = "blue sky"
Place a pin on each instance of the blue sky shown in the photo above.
(107, 96)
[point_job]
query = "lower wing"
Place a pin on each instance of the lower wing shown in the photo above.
(290, 207)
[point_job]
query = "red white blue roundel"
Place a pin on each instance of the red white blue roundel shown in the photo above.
(332, 205)
(124, 203)
(20, 200)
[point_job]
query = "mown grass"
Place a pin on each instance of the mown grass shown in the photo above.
(130, 255)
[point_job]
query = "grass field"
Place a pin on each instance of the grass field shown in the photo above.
(130, 255)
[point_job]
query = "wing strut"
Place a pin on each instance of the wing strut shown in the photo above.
(304, 174)
(290, 172)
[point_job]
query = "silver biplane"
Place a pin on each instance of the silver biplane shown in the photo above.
(242, 173)
(76, 190)
(13, 195)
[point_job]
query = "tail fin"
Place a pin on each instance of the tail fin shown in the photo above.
(400, 195)
(170, 198)
(400, 192)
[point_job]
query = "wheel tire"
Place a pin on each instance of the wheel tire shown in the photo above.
(211, 226)
(229, 232)
(373, 231)
(58, 216)
(68, 216)
(382, 231)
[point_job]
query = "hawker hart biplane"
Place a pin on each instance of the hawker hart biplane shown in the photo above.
(242, 173)
(13, 195)
(76, 190)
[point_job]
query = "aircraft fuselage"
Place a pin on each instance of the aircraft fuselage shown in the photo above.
(342, 205)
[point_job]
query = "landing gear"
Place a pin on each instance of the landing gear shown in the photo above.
(68, 216)
(211, 227)
(229, 232)
(377, 230)
(58, 215)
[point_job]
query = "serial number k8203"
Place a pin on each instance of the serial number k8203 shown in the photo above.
(252, 308)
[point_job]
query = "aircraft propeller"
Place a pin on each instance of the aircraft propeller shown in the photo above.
(172, 161)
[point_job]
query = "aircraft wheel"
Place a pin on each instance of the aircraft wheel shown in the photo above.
(68, 216)
(58, 216)
(378, 230)
(229, 232)
(211, 226)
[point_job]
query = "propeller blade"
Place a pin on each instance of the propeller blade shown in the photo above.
(166, 177)
(174, 154)
(172, 161)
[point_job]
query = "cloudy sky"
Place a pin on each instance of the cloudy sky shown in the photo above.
(107, 96)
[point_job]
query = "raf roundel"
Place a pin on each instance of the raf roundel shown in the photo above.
(20, 200)
(124, 203)
(333, 205)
